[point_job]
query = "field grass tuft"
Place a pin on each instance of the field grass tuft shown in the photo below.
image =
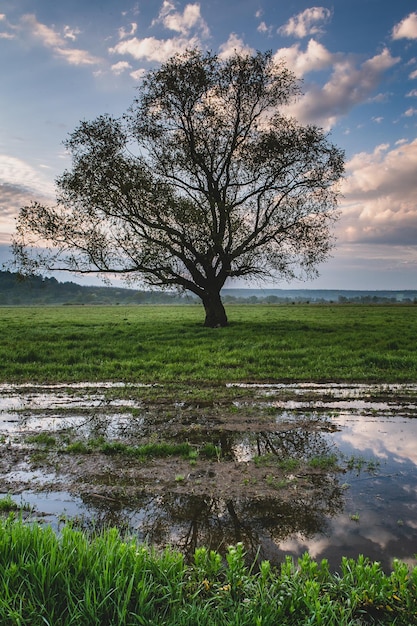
(73, 578)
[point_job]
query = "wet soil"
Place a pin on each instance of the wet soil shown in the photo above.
(236, 433)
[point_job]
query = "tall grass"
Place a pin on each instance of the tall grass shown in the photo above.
(169, 344)
(73, 579)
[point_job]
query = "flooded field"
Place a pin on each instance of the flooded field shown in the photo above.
(329, 468)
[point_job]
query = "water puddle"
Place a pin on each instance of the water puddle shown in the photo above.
(331, 469)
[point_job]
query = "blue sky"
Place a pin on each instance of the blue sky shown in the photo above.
(62, 62)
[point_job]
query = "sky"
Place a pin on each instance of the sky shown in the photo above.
(63, 62)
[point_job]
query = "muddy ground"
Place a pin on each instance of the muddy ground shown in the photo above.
(238, 432)
(258, 457)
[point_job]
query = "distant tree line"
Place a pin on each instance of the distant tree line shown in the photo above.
(16, 290)
(38, 290)
(316, 299)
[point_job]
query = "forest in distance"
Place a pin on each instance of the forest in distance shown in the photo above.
(16, 290)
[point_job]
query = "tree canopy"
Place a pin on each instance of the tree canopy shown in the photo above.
(203, 180)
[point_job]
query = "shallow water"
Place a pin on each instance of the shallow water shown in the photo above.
(368, 509)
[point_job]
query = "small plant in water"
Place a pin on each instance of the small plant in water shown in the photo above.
(7, 505)
(354, 517)
(323, 462)
(359, 463)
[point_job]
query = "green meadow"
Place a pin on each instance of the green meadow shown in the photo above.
(168, 344)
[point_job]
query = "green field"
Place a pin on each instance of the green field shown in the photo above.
(352, 343)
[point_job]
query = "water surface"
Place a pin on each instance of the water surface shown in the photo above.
(365, 505)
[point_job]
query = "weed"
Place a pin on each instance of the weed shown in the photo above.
(359, 463)
(279, 483)
(149, 450)
(42, 439)
(211, 451)
(325, 462)
(78, 447)
(7, 505)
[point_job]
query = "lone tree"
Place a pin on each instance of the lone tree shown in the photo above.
(202, 180)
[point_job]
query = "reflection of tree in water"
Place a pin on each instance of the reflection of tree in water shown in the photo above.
(189, 521)
(295, 443)
(260, 522)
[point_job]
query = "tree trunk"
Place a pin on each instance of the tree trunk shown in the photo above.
(215, 313)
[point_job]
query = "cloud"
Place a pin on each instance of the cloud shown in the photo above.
(120, 67)
(183, 22)
(124, 33)
(153, 49)
(309, 22)
(47, 35)
(348, 85)
(234, 45)
(410, 112)
(59, 45)
(13, 171)
(12, 198)
(263, 28)
(138, 74)
(71, 33)
(316, 57)
(76, 57)
(4, 22)
(407, 28)
(14, 194)
(412, 94)
(380, 97)
(379, 194)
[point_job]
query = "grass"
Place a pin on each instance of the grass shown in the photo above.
(107, 579)
(168, 344)
(149, 450)
(42, 439)
(325, 462)
(8, 505)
